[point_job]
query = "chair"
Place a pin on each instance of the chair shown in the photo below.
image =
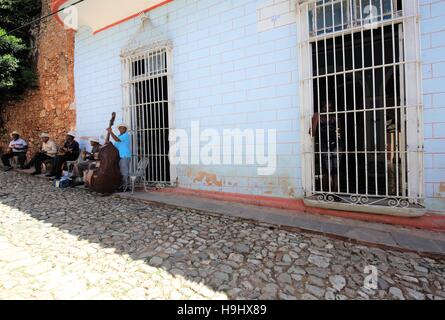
(47, 165)
(15, 163)
(70, 164)
(139, 174)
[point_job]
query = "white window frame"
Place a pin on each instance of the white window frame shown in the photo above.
(414, 104)
(127, 58)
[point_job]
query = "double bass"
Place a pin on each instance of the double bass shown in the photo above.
(106, 177)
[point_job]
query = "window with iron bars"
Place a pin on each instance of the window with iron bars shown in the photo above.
(361, 102)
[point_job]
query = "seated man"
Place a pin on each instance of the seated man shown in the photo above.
(47, 151)
(69, 152)
(90, 159)
(17, 147)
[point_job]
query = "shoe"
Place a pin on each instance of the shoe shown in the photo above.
(26, 167)
(76, 184)
(35, 173)
(7, 168)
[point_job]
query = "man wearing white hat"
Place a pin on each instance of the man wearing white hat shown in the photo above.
(17, 147)
(123, 145)
(47, 151)
(89, 160)
(69, 152)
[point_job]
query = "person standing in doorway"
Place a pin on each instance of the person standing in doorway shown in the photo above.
(328, 143)
(123, 145)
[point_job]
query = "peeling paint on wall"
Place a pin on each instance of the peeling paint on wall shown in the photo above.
(208, 178)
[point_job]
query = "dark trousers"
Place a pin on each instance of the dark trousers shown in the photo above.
(59, 161)
(9, 155)
(37, 160)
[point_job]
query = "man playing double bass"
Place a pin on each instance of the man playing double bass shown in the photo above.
(123, 145)
(106, 177)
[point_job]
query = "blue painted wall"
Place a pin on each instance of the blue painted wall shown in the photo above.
(433, 60)
(235, 66)
(227, 74)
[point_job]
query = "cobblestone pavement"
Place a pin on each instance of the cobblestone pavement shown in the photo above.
(74, 244)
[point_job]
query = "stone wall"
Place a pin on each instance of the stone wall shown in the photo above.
(49, 108)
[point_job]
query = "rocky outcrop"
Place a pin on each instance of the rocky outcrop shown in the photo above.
(50, 107)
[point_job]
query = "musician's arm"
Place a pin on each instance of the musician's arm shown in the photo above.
(74, 150)
(90, 155)
(10, 147)
(53, 149)
(116, 138)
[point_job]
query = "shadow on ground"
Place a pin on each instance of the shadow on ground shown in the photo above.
(229, 255)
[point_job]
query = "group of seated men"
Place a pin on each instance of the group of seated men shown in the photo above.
(69, 151)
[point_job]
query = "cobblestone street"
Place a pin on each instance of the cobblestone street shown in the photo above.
(74, 244)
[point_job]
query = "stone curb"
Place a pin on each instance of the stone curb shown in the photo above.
(379, 235)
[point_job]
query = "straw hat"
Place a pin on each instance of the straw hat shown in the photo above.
(15, 132)
(123, 125)
(94, 139)
(71, 133)
(44, 135)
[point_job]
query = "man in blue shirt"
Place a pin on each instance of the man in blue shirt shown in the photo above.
(123, 145)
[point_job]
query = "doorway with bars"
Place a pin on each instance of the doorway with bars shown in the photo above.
(147, 106)
(361, 102)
